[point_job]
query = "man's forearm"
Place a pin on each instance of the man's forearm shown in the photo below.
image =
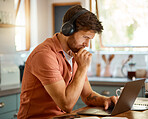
(73, 90)
(94, 99)
(68, 94)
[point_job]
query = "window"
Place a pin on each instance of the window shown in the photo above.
(125, 24)
(22, 30)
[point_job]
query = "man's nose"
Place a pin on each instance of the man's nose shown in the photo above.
(86, 44)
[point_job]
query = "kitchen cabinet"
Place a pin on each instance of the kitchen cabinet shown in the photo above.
(17, 102)
(79, 104)
(9, 115)
(111, 90)
(9, 106)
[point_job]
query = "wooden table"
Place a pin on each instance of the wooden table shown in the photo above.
(129, 114)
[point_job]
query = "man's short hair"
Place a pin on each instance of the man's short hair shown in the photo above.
(86, 21)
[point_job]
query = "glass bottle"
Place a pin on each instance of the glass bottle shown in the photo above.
(131, 74)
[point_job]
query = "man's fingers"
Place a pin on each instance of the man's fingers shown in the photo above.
(110, 102)
(87, 54)
(80, 51)
(114, 99)
(84, 52)
(106, 105)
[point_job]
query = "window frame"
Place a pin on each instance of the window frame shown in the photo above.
(27, 18)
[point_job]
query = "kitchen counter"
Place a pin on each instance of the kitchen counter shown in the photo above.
(94, 81)
(108, 81)
(10, 89)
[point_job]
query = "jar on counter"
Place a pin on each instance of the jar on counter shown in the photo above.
(131, 73)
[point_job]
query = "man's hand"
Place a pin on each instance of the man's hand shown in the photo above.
(83, 58)
(109, 101)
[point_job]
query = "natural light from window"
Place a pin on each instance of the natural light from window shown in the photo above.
(20, 30)
(125, 23)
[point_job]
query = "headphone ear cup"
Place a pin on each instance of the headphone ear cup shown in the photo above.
(68, 29)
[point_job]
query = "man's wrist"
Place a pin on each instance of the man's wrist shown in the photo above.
(83, 68)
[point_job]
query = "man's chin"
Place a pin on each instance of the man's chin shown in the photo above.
(75, 50)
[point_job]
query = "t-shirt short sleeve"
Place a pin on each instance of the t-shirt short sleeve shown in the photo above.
(45, 67)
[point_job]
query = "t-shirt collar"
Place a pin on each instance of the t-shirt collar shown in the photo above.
(58, 46)
(57, 42)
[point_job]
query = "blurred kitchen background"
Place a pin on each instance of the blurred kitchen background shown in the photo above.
(120, 53)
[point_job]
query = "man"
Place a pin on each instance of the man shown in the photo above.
(55, 74)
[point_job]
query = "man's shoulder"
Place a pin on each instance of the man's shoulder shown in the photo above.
(44, 49)
(48, 44)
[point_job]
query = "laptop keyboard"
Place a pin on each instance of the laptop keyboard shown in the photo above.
(102, 112)
(99, 111)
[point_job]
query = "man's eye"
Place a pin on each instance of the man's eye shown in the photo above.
(85, 37)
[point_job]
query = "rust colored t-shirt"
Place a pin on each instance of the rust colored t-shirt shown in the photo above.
(45, 65)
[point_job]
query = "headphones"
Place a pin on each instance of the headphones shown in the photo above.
(68, 28)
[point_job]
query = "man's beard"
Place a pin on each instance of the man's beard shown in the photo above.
(70, 44)
(75, 50)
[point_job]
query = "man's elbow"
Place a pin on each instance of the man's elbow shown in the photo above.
(67, 108)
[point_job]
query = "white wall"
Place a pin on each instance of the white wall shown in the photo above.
(39, 21)
(42, 11)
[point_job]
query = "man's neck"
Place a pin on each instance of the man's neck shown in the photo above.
(63, 41)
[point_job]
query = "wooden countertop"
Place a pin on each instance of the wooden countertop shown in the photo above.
(108, 81)
(129, 114)
(104, 81)
(10, 89)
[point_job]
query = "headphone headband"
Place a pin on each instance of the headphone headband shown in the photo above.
(77, 15)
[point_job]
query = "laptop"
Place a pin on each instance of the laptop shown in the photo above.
(125, 101)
